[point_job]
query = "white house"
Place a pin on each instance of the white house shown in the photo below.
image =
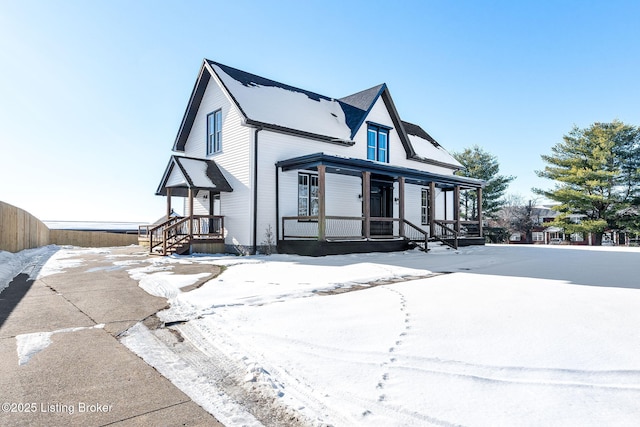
(325, 175)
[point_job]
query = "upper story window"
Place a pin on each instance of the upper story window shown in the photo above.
(214, 132)
(378, 143)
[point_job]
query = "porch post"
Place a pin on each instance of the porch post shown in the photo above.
(168, 202)
(366, 203)
(322, 235)
(401, 205)
(432, 208)
(456, 207)
(190, 213)
(480, 211)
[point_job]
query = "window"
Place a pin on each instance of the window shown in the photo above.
(214, 132)
(424, 207)
(307, 194)
(378, 143)
(537, 236)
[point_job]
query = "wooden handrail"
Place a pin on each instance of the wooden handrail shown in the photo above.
(446, 241)
(169, 235)
(425, 236)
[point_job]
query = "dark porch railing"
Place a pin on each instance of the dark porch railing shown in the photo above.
(348, 228)
(336, 227)
(164, 238)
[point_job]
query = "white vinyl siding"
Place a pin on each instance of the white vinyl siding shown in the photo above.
(397, 155)
(234, 161)
(176, 178)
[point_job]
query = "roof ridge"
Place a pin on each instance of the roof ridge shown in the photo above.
(349, 99)
(417, 130)
(250, 79)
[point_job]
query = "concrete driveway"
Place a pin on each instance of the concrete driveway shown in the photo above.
(73, 370)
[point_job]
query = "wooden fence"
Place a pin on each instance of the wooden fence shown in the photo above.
(20, 230)
(91, 239)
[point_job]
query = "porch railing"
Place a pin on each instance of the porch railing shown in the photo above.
(339, 228)
(470, 228)
(416, 235)
(336, 227)
(177, 231)
(445, 233)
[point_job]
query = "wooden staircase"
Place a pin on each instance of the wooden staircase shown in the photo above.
(417, 237)
(177, 234)
(445, 234)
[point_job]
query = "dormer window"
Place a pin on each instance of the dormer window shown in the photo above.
(378, 142)
(214, 132)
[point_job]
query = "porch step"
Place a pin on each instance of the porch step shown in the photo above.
(420, 245)
(177, 249)
(437, 245)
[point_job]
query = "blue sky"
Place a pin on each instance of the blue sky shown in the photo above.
(92, 92)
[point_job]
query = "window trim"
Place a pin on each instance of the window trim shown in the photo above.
(214, 139)
(309, 176)
(424, 206)
(378, 130)
(537, 236)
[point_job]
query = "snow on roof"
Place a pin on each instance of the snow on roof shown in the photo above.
(428, 150)
(186, 172)
(197, 171)
(270, 102)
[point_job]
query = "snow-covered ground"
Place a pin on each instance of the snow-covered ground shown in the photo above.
(29, 261)
(504, 335)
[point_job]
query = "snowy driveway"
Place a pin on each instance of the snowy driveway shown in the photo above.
(506, 335)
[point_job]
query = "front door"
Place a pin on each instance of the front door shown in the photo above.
(381, 200)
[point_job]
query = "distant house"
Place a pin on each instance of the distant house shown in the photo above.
(543, 232)
(324, 175)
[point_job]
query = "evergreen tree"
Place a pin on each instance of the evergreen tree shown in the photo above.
(480, 164)
(597, 173)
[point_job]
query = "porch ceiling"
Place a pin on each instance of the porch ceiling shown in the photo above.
(355, 167)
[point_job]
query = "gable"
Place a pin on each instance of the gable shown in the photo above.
(183, 173)
(382, 111)
(275, 104)
(265, 103)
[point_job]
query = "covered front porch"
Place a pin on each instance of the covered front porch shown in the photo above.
(385, 217)
(199, 182)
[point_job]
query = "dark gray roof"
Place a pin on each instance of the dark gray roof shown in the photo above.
(357, 106)
(363, 100)
(191, 170)
(248, 79)
(413, 129)
(354, 167)
(320, 120)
